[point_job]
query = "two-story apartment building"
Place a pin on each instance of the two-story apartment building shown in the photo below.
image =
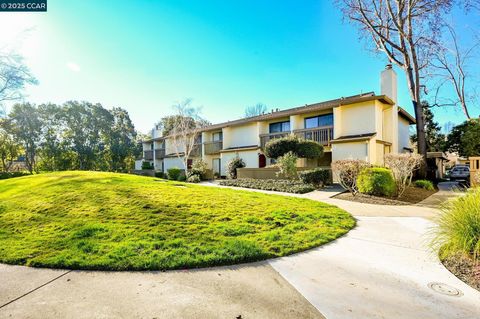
(364, 126)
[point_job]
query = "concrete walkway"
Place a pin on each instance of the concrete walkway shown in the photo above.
(383, 268)
(246, 291)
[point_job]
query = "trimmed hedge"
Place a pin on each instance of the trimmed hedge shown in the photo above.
(279, 185)
(299, 146)
(160, 175)
(147, 165)
(174, 173)
(318, 177)
(425, 184)
(376, 181)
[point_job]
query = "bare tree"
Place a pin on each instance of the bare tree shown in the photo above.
(403, 166)
(472, 4)
(405, 31)
(254, 110)
(451, 66)
(14, 75)
(185, 132)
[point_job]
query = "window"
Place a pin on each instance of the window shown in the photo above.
(217, 136)
(319, 121)
(280, 127)
(151, 146)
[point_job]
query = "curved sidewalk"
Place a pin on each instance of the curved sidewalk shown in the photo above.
(383, 268)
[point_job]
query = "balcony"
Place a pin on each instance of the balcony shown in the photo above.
(148, 155)
(159, 153)
(213, 147)
(322, 135)
(196, 150)
(265, 138)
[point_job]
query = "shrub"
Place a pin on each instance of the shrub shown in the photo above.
(280, 146)
(174, 173)
(199, 168)
(403, 166)
(309, 149)
(287, 165)
(376, 181)
(476, 179)
(193, 179)
(278, 185)
(300, 147)
(160, 174)
(347, 172)
(458, 229)
(317, 177)
(7, 175)
(232, 166)
(425, 184)
(147, 165)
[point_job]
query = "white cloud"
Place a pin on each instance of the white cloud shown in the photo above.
(73, 66)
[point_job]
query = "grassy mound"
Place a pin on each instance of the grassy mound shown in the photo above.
(92, 220)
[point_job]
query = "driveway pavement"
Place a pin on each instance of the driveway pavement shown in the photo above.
(384, 268)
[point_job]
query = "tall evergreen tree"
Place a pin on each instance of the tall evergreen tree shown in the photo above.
(433, 131)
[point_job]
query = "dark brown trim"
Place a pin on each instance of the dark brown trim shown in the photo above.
(403, 113)
(237, 149)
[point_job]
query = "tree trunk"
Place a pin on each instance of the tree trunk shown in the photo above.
(421, 140)
(465, 110)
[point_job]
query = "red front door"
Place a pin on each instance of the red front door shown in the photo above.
(262, 160)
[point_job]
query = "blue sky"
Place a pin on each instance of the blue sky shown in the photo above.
(225, 55)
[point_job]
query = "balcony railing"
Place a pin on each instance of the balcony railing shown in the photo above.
(196, 150)
(213, 147)
(148, 155)
(159, 153)
(322, 135)
(264, 138)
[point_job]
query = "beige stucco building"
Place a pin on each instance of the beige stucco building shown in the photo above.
(364, 126)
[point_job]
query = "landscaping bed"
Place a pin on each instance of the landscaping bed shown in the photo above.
(110, 221)
(464, 268)
(412, 195)
(279, 185)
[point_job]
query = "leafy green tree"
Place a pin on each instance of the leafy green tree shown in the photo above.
(26, 127)
(434, 138)
(54, 154)
(464, 139)
(121, 141)
(87, 127)
(9, 148)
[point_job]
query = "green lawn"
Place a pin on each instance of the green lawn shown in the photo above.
(92, 220)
